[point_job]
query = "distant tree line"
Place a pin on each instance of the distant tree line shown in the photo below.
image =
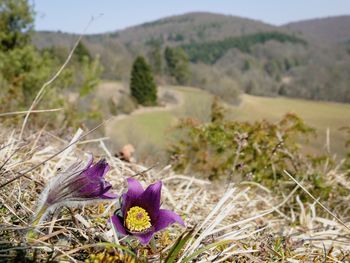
(210, 52)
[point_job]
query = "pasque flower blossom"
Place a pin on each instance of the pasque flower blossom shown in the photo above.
(140, 214)
(78, 184)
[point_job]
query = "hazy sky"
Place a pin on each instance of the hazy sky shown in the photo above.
(74, 15)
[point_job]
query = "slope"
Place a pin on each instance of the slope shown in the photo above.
(151, 131)
(329, 30)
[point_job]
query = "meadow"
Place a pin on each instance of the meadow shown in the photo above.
(151, 130)
(211, 181)
(325, 117)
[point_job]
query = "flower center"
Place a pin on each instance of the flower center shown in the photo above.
(137, 219)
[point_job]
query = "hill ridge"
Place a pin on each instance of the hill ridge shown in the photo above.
(259, 64)
(331, 29)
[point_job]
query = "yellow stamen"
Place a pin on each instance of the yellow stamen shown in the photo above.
(137, 219)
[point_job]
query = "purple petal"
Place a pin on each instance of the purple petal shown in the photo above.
(97, 170)
(166, 218)
(144, 238)
(118, 225)
(92, 187)
(105, 170)
(89, 187)
(109, 196)
(134, 187)
(106, 185)
(126, 203)
(150, 200)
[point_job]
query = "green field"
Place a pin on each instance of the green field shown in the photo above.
(150, 131)
(319, 115)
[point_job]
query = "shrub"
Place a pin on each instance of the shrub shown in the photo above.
(126, 104)
(241, 151)
(261, 149)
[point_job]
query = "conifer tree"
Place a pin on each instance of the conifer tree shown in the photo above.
(155, 58)
(142, 85)
(178, 64)
(16, 23)
(82, 52)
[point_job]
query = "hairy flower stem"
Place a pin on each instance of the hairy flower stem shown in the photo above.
(153, 245)
(32, 234)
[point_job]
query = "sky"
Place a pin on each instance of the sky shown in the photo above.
(109, 15)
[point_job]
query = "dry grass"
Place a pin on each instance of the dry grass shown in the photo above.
(232, 223)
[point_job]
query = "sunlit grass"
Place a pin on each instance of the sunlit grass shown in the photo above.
(150, 127)
(320, 115)
(151, 130)
(154, 128)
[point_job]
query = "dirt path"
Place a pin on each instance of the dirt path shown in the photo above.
(108, 88)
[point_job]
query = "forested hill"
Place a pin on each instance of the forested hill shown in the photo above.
(209, 52)
(181, 29)
(229, 54)
(329, 30)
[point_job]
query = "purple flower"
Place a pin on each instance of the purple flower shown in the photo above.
(140, 214)
(76, 185)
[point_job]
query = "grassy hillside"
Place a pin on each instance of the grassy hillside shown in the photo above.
(320, 115)
(151, 131)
